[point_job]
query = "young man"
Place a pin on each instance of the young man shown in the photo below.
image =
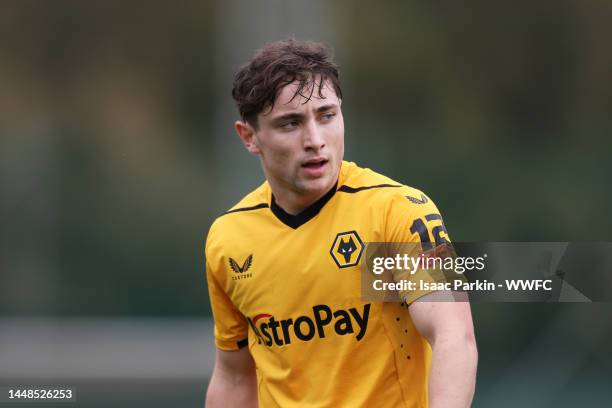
(291, 328)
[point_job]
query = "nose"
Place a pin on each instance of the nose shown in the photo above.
(313, 137)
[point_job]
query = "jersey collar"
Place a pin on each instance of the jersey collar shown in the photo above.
(295, 221)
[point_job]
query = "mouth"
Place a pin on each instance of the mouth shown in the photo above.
(314, 164)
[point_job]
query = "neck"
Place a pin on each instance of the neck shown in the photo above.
(293, 203)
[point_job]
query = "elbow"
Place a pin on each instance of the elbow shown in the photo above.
(471, 348)
(460, 345)
(471, 357)
(472, 360)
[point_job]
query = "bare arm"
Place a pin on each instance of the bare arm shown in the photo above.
(233, 382)
(448, 328)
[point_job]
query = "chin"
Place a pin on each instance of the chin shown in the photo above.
(318, 185)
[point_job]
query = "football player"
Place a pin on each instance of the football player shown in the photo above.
(291, 326)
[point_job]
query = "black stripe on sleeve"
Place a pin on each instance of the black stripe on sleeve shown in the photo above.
(242, 343)
(352, 190)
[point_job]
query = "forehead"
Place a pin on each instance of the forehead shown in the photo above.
(309, 97)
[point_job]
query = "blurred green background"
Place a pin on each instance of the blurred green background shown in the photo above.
(117, 152)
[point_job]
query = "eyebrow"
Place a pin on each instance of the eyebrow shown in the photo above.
(294, 115)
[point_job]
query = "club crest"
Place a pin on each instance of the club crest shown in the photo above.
(346, 249)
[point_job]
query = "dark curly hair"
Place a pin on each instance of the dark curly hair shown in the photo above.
(278, 64)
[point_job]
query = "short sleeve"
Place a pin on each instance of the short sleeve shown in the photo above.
(231, 327)
(415, 218)
(416, 225)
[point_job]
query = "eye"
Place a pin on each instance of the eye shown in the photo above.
(326, 117)
(289, 125)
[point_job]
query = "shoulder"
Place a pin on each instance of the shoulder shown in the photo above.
(256, 199)
(247, 210)
(405, 213)
(378, 189)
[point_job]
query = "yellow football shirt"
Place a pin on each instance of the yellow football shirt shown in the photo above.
(288, 288)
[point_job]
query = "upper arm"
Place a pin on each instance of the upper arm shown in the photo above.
(415, 227)
(438, 316)
(234, 366)
(417, 221)
(234, 381)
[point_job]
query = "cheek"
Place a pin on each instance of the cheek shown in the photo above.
(279, 153)
(336, 135)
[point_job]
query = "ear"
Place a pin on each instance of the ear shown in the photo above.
(247, 135)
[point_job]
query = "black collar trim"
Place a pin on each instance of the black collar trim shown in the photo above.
(295, 221)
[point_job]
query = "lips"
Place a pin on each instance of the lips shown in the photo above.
(315, 163)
